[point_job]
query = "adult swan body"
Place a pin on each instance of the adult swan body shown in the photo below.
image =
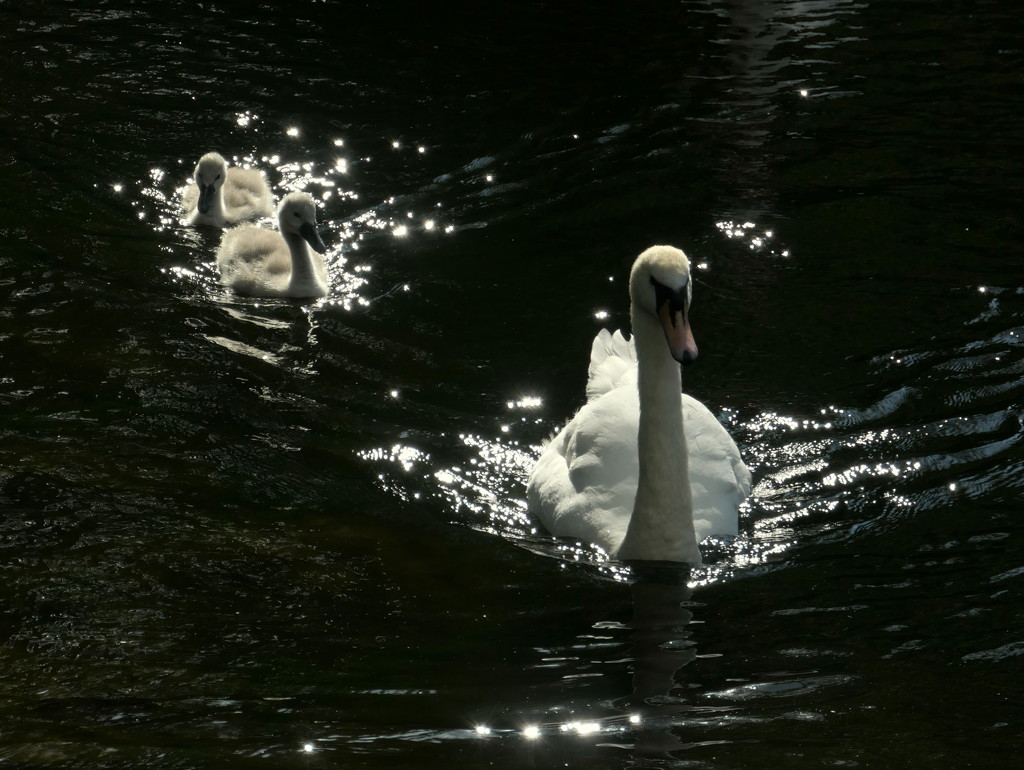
(643, 470)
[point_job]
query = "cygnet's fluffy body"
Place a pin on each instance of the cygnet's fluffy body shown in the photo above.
(267, 263)
(221, 196)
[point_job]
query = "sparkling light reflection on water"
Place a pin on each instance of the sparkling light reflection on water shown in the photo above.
(295, 531)
(814, 477)
(349, 278)
(829, 473)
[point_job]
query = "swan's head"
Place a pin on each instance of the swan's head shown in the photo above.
(297, 216)
(660, 285)
(210, 173)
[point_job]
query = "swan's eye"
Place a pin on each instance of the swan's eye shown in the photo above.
(677, 299)
(216, 177)
(295, 213)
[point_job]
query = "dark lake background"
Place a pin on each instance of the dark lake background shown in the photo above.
(244, 533)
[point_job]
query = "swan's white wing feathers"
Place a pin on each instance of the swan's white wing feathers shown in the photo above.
(718, 478)
(612, 363)
(585, 481)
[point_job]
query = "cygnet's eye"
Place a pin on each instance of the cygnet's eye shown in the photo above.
(216, 177)
(295, 213)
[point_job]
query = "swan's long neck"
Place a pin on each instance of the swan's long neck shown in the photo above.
(303, 272)
(661, 527)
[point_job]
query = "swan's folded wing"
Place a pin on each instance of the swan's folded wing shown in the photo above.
(612, 363)
(718, 477)
(584, 482)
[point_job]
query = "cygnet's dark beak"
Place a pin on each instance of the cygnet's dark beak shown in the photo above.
(206, 192)
(312, 237)
(672, 306)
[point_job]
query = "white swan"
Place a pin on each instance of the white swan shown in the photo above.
(264, 263)
(221, 196)
(643, 470)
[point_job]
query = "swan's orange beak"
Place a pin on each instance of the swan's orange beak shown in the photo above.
(676, 324)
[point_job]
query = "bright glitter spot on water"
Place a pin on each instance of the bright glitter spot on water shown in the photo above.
(746, 231)
(308, 748)
(292, 131)
(526, 402)
(482, 730)
(583, 728)
(531, 732)
(601, 315)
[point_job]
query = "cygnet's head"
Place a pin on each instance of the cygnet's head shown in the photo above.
(660, 285)
(297, 215)
(210, 173)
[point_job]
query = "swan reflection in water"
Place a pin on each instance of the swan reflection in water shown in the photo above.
(644, 722)
(661, 647)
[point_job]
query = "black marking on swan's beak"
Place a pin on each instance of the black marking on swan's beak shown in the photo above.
(671, 305)
(312, 237)
(206, 192)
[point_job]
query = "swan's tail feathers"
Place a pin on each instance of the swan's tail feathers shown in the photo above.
(612, 360)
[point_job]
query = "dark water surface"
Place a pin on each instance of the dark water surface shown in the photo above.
(243, 533)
